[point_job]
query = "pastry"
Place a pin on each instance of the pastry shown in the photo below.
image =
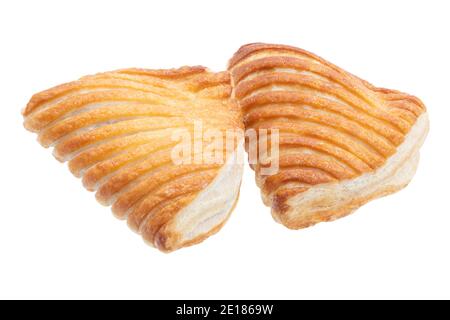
(342, 141)
(117, 131)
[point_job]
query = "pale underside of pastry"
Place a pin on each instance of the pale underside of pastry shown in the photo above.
(115, 130)
(342, 141)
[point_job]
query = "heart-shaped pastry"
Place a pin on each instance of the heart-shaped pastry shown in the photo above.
(342, 141)
(118, 131)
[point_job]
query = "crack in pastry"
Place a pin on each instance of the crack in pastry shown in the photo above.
(342, 141)
(115, 130)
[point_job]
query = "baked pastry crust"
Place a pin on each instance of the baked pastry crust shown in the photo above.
(343, 141)
(115, 130)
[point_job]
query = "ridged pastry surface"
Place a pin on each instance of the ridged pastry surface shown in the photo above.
(333, 128)
(115, 130)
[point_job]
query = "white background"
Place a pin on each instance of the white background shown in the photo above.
(57, 242)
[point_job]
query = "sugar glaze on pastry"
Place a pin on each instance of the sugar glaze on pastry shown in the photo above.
(343, 141)
(115, 131)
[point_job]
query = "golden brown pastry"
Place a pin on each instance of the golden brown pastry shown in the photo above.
(342, 141)
(116, 130)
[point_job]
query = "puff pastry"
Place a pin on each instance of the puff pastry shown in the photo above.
(343, 141)
(115, 130)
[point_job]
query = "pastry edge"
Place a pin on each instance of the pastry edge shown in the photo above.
(300, 211)
(174, 236)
